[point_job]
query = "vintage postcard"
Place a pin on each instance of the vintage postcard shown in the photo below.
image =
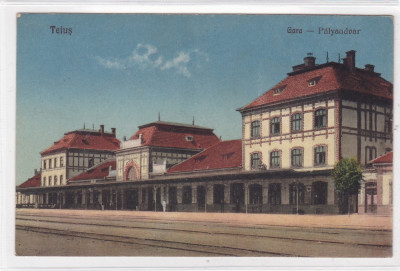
(204, 135)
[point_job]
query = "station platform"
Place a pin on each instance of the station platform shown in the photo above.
(353, 221)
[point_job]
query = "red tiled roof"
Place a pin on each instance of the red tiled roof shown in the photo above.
(173, 135)
(89, 140)
(225, 154)
(32, 182)
(97, 172)
(330, 76)
(386, 158)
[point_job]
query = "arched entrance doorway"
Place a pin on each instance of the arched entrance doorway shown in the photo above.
(132, 172)
(131, 175)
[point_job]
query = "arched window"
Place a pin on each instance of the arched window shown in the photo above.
(297, 123)
(320, 118)
(61, 179)
(255, 160)
(255, 129)
(320, 155)
(297, 157)
(275, 159)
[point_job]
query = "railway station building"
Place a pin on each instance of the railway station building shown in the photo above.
(292, 136)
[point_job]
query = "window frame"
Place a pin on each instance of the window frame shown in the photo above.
(298, 156)
(273, 158)
(297, 122)
(275, 126)
(320, 121)
(255, 129)
(318, 153)
(253, 158)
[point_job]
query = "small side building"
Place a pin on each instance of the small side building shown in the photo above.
(24, 199)
(376, 194)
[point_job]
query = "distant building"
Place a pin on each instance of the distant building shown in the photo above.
(23, 199)
(157, 146)
(76, 152)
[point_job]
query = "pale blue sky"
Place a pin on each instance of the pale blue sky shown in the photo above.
(121, 70)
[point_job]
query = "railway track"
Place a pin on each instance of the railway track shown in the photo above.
(203, 250)
(215, 239)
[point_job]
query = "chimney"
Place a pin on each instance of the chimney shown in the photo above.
(36, 172)
(102, 129)
(124, 138)
(113, 131)
(140, 138)
(309, 61)
(369, 67)
(350, 59)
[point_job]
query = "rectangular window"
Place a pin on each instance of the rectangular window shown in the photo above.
(297, 157)
(55, 162)
(255, 129)
(275, 159)
(44, 164)
(255, 161)
(275, 126)
(61, 161)
(388, 125)
(320, 155)
(50, 163)
(320, 118)
(297, 122)
(50, 183)
(61, 179)
(44, 181)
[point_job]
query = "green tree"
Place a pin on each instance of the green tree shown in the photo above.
(347, 174)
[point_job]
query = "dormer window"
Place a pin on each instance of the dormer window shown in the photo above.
(314, 81)
(189, 138)
(279, 90)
